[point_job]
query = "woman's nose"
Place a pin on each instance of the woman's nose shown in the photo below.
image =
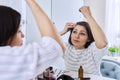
(23, 35)
(77, 36)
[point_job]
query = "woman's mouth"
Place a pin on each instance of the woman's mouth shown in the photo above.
(76, 41)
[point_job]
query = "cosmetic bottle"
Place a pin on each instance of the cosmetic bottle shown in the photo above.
(80, 72)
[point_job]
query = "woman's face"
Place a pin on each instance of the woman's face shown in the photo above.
(79, 37)
(17, 39)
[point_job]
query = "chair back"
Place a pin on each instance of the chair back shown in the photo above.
(110, 68)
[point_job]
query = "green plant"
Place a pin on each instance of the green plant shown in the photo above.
(114, 49)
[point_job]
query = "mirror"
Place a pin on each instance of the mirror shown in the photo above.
(60, 12)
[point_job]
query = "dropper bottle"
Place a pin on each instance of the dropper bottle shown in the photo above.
(80, 72)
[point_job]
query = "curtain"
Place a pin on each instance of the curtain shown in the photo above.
(113, 22)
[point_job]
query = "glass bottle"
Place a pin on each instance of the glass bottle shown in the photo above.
(80, 72)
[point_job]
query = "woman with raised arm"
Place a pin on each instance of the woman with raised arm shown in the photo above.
(23, 62)
(86, 46)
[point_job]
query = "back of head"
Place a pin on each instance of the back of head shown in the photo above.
(9, 24)
(65, 77)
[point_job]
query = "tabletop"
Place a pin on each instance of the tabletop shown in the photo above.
(92, 77)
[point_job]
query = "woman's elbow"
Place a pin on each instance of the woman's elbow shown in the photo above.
(102, 45)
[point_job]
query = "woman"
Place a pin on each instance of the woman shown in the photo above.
(23, 62)
(87, 44)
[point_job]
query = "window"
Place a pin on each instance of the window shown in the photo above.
(113, 22)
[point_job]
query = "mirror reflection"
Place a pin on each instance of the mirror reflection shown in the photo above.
(89, 30)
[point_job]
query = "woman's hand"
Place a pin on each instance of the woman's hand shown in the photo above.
(85, 10)
(29, 0)
(68, 26)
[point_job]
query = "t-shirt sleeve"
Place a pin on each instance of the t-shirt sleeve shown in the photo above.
(48, 50)
(30, 59)
(98, 53)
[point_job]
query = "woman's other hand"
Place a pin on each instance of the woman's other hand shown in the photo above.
(85, 10)
(67, 27)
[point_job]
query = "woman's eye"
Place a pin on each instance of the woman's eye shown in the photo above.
(82, 34)
(74, 32)
(19, 31)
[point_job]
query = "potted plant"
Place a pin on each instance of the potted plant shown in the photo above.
(114, 50)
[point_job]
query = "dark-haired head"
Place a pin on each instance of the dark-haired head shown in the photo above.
(89, 33)
(9, 24)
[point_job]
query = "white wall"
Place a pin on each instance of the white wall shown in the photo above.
(98, 10)
(16, 4)
(32, 33)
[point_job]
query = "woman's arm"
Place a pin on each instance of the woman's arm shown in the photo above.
(98, 34)
(45, 26)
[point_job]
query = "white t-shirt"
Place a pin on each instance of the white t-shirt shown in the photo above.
(89, 58)
(24, 62)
